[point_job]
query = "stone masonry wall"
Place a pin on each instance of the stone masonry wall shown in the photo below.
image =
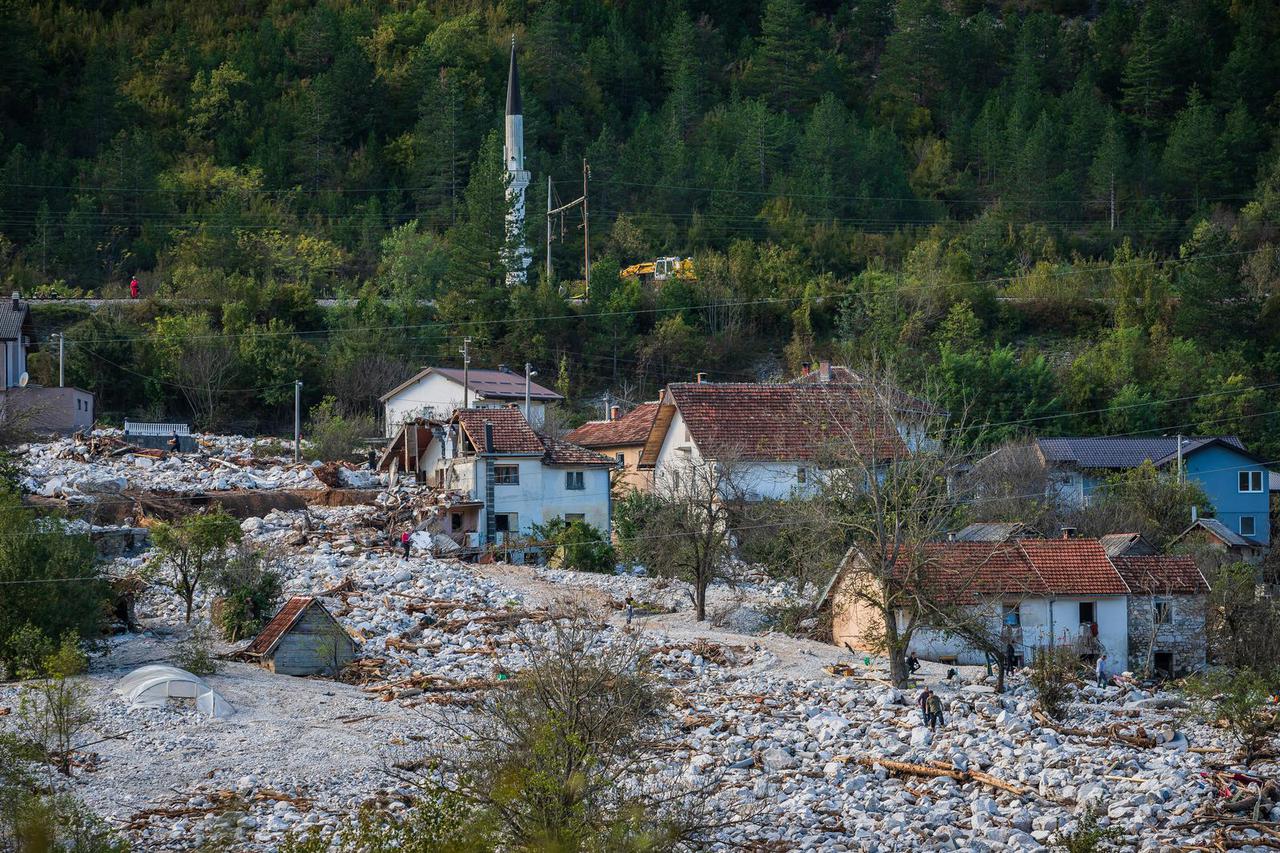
(1183, 635)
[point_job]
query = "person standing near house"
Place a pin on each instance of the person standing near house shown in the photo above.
(133, 288)
(405, 542)
(913, 664)
(1100, 670)
(373, 460)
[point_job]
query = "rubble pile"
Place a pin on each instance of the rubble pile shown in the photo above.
(796, 745)
(84, 467)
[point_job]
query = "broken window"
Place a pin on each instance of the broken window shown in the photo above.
(575, 516)
(506, 475)
(1012, 615)
(455, 521)
(1162, 611)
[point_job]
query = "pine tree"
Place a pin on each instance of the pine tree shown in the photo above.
(1193, 160)
(1145, 87)
(781, 68)
(1106, 170)
(440, 155)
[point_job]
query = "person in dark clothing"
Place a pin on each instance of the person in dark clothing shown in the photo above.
(933, 715)
(175, 444)
(373, 460)
(923, 701)
(913, 664)
(404, 540)
(1010, 655)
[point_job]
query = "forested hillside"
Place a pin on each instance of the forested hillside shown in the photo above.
(1045, 207)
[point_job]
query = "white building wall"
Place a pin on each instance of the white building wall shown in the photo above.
(437, 396)
(757, 480)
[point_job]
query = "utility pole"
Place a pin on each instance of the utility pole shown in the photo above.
(548, 239)
(1179, 457)
(297, 420)
(586, 228)
(466, 371)
(61, 374)
(529, 373)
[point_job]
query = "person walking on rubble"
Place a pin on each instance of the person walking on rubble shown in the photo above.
(629, 609)
(174, 443)
(1100, 670)
(934, 715)
(913, 664)
(405, 542)
(923, 701)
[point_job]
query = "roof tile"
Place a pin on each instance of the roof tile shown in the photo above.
(1153, 574)
(630, 429)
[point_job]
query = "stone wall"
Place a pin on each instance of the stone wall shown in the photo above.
(1183, 635)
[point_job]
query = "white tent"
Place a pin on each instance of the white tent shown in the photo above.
(156, 683)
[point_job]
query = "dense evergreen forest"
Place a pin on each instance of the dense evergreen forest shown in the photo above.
(1062, 211)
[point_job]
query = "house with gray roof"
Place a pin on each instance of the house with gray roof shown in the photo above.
(1236, 481)
(435, 393)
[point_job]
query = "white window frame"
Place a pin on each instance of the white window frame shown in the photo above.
(1253, 525)
(575, 481)
(506, 482)
(1247, 480)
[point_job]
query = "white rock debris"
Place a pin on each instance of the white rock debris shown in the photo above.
(788, 748)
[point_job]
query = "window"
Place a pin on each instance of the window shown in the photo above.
(506, 475)
(621, 459)
(506, 522)
(575, 516)
(1012, 615)
(573, 481)
(455, 521)
(1250, 481)
(1246, 525)
(1086, 613)
(802, 475)
(1162, 611)
(1163, 663)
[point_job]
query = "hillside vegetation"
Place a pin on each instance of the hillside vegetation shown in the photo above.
(1044, 207)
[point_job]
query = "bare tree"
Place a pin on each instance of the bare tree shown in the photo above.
(687, 530)
(888, 490)
(1013, 484)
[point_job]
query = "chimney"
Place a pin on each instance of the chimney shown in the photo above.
(502, 368)
(824, 371)
(488, 436)
(16, 300)
(1068, 533)
(804, 368)
(700, 378)
(951, 536)
(615, 412)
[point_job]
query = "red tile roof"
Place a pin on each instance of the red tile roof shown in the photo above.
(274, 631)
(1156, 574)
(511, 432)
(628, 430)
(783, 422)
(1074, 566)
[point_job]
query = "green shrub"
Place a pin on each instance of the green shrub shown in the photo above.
(336, 436)
(248, 590)
(576, 545)
(1240, 700)
(195, 652)
(1088, 837)
(1053, 674)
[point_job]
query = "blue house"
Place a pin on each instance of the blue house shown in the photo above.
(1236, 481)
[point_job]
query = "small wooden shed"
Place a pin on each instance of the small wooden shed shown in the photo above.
(302, 639)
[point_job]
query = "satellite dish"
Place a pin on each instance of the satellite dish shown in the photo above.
(24, 379)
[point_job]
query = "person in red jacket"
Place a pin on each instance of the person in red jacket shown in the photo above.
(133, 288)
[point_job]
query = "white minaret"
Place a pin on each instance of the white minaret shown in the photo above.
(518, 255)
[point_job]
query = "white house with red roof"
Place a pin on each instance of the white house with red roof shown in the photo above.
(772, 439)
(510, 477)
(435, 393)
(1041, 593)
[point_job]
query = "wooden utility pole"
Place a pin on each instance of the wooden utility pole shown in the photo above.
(548, 229)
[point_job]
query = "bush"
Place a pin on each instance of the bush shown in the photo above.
(54, 709)
(440, 822)
(36, 610)
(1240, 700)
(578, 545)
(335, 436)
(630, 515)
(1052, 676)
(1088, 837)
(248, 591)
(195, 653)
(191, 551)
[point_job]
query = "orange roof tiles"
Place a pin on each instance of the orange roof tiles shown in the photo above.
(1155, 574)
(630, 429)
(1074, 566)
(511, 432)
(279, 625)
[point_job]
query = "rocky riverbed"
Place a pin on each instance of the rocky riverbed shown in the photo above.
(805, 759)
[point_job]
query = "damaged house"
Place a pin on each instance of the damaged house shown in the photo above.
(435, 393)
(506, 476)
(1141, 611)
(303, 638)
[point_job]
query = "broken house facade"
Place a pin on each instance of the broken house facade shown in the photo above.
(435, 393)
(44, 409)
(1036, 594)
(506, 476)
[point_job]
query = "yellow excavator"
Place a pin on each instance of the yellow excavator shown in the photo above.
(661, 269)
